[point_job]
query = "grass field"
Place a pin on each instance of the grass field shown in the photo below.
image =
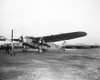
(75, 64)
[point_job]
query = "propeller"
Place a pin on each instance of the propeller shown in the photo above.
(19, 39)
(41, 41)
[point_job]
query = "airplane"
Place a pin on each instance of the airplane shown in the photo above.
(46, 42)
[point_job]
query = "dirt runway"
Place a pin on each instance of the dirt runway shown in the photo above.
(79, 64)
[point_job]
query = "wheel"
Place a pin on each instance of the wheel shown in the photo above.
(43, 50)
(40, 51)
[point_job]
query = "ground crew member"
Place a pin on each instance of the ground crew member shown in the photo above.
(7, 49)
(12, 50)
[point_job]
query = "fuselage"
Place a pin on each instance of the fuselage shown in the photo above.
(34, 44)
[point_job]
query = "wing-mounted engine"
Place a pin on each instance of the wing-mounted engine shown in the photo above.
(40, 44)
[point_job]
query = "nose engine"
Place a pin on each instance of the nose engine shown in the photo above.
(21, 39)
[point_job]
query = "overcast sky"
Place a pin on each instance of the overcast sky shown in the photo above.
(46, 17)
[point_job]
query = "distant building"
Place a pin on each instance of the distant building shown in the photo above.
(4, 41)
(2, 38)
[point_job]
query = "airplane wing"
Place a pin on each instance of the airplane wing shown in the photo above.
(60, 37)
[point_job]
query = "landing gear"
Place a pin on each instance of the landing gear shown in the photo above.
(41, 50)
(24, 48)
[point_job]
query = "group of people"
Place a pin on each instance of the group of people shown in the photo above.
(9, 50)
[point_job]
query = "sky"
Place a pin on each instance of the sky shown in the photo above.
(47, 17)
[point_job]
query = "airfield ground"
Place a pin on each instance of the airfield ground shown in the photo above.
(79, 64)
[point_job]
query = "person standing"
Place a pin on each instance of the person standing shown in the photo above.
(12, 50)
(7, 49)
